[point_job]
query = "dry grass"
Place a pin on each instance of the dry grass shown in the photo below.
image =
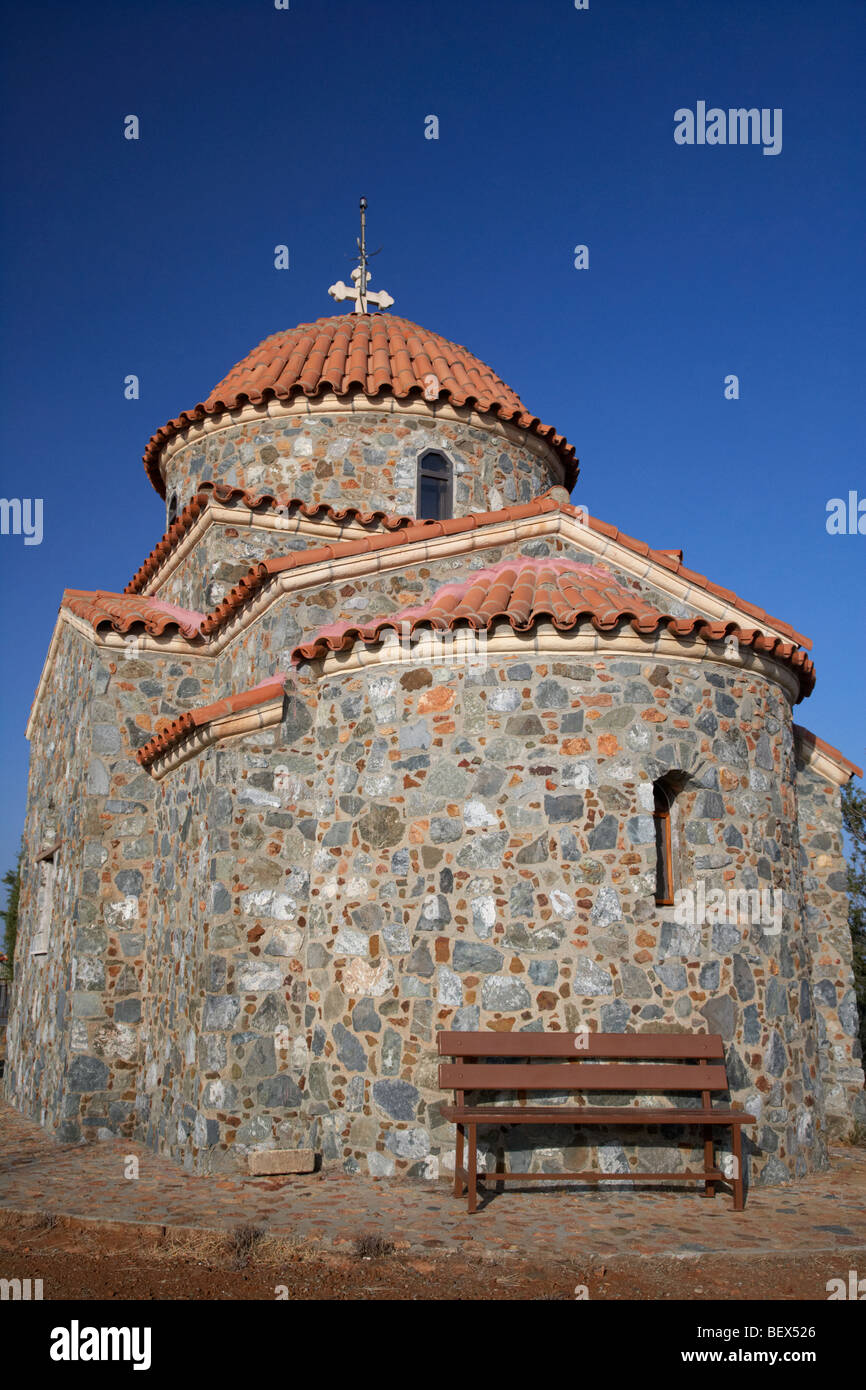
(37, 1221)
(372, 1247)
(45, 1221)
(234, 1249)
(242, 1241)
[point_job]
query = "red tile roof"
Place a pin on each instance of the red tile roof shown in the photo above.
(368, 353)
(180, 729)
(255, 502)
(123, 612)
(261, 574)
(526, 591)
(810, 740)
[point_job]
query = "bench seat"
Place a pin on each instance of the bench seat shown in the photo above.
(592, 1115)
(656, 1064)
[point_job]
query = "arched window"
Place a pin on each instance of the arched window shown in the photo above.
(434, 487)
(663, 800)
(172, 508)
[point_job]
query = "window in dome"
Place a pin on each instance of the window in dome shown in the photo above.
(434, 487)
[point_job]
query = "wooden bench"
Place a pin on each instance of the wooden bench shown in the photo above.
(658, 1063)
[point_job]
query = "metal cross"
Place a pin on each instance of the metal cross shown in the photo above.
(358, 292)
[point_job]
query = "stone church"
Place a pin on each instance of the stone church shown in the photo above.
(386, 736)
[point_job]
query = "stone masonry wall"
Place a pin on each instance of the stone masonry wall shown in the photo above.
(223, 556)
(367, 460)
(75, 1039)
(257, 950)
(825, 882)
(492, 866)
(42, 1077)
(225, 1056)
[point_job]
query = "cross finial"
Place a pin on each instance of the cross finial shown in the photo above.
(358, 292)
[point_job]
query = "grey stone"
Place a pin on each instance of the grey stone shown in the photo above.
(546, 937)
(744, 982)
(365, 1018)
(87, 1074)
(543, 972)
(408, 1143)
(466, 1020)
(590, 978)
(450, 989)
(751, 1024)
(505, 993)
(607, 907)
(398, 1099)
(483, 851)
(563, 808)
(673, 976)
(709, 976)
(774, 1055)
(615, 1017)
(220, 1011)
(470, 955)
(604, 834)
(279, 1093)
(392, 1048)
(349, 1049)
(720, 1014)
(635, 982)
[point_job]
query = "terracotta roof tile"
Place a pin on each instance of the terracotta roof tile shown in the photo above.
(404, 532)
(261, 574)
(264, 501)
(123, 612)
(179, 729)
(371, 353)
(525, 591)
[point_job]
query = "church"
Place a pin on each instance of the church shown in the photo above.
(387, 736)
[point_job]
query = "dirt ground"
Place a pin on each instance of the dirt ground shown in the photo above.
(243, 1264)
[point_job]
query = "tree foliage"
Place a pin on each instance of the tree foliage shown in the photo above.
(854, 821)
(9, 914)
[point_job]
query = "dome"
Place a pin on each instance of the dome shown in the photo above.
(367, 353)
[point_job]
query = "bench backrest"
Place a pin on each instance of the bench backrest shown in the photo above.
(656, 1062)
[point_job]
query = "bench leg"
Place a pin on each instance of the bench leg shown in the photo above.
(473, 1166)
(500, 1168)
(737, 1137)
(458, 1164)
(709, 1186)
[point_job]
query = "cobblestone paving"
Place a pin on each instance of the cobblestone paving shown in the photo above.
(826, 1212)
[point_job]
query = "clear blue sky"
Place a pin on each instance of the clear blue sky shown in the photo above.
(261, 127)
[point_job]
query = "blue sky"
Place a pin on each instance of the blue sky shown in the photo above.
(556, 128)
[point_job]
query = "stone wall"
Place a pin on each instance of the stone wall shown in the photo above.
(225, 1018)
(257, 950)
(825, 881)
(43, 1077)
(74, 1036)
(222, 557)
(496, 870)
(366, 460)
